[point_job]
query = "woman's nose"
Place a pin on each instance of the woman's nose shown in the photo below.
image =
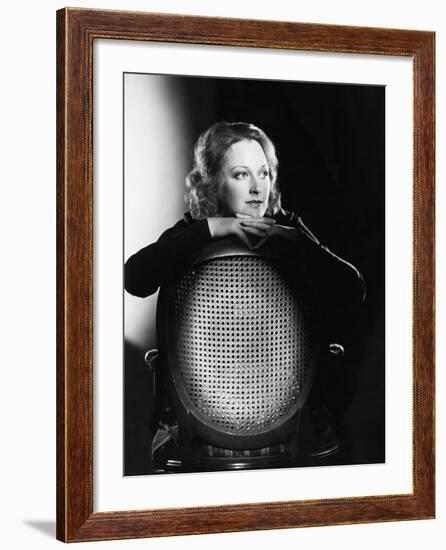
(256, 186)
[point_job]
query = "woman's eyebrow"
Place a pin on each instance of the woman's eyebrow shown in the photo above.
(246, 166)
(238, 167)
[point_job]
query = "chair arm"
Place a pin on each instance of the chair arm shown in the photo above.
(336, 349)
(150, 357)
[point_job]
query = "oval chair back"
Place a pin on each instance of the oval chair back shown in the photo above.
(239, 349)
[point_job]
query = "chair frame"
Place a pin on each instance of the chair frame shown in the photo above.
(191, 420)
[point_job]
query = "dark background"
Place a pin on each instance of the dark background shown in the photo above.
(330, 142)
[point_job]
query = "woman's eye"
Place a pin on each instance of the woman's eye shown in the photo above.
(240, 175)
(265, 174)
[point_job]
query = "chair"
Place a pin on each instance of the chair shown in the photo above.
(237, 356)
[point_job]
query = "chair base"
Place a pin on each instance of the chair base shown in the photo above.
(200, 456)
(313, 442)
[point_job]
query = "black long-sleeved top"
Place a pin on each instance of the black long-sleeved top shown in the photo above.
(158, 262)
(333, 287)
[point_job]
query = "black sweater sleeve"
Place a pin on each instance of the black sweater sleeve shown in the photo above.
(159, 262)
(333, 281)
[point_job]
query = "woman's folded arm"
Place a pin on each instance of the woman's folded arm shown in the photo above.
(158, 262)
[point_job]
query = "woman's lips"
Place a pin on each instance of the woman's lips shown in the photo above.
(254, 203)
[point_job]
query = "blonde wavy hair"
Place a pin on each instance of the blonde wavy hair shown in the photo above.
(203, 181)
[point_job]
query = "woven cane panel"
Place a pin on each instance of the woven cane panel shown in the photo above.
(241, 346)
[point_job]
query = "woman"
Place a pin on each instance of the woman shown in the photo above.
(232, 190)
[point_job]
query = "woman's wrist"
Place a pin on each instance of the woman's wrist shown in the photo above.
(212, 224)
(288, 233)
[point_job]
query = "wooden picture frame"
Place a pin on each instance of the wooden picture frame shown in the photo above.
(76, 31)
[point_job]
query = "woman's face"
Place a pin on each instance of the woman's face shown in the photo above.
(245, 180)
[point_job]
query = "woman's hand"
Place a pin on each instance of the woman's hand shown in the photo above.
(223, 227)
(266, 230)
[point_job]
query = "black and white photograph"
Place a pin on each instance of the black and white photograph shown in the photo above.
(254, 274)
(223, 261)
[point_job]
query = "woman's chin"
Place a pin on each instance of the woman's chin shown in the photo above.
(253, 212)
